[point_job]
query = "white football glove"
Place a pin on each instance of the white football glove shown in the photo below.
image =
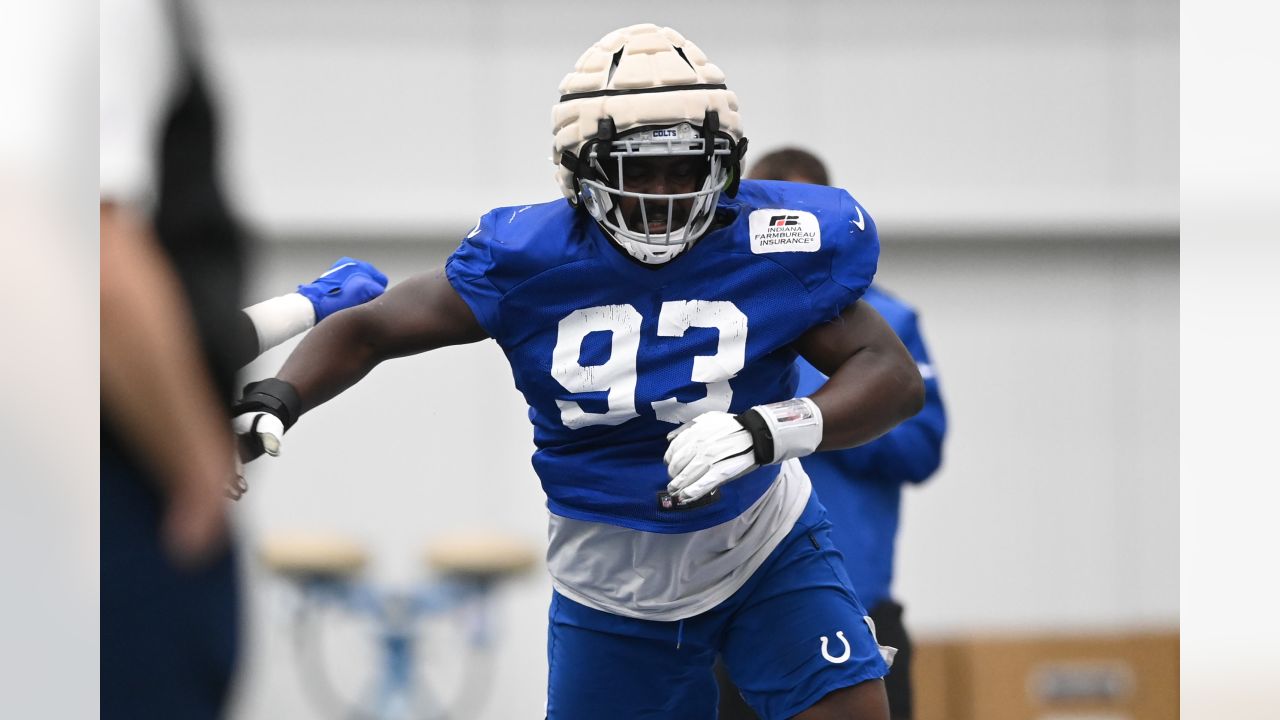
(706, 453)
(260, 418)
(258, 430)
(717, 447)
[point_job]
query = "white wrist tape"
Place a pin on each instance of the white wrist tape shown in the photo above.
(280, 318)
(795, 427)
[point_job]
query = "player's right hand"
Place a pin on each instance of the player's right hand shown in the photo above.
(349, 282)
(260, 418)
(705, 453)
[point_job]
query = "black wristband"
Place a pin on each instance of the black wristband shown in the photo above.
(274, 396)
(761, 438)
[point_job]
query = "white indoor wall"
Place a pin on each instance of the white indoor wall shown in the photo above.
(407, 114)
(1020, 159)
(1056, 507)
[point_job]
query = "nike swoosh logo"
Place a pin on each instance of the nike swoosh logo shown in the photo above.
(861, 222)
(334, 270)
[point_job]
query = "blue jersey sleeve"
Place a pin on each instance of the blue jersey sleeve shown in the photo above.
(838, 271)
(857, 252)
(846, 262)
(468, 271)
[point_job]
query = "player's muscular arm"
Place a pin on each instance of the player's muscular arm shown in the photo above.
(420, 314)
(874, 384)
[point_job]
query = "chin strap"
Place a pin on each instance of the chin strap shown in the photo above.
(710, 126)
(606, 130)
(735, 168)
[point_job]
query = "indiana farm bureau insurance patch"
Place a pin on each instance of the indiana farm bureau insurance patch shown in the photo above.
(784, 231)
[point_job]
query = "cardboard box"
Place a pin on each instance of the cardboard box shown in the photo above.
(1077, 677)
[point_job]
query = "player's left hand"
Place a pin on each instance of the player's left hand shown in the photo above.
(348, 283)
(706, 453)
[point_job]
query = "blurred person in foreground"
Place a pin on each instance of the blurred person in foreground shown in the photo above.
(172, 338)
(861, 487)
(651, 318)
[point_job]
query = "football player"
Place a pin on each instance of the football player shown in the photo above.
(651, 318)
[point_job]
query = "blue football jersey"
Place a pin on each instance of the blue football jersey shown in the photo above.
(612, 354)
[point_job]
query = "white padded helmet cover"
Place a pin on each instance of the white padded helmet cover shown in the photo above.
(650, 59)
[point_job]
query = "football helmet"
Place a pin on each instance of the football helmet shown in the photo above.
(640, 97)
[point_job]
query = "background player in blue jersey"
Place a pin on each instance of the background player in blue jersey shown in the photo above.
(652, 318)
(861, 487)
